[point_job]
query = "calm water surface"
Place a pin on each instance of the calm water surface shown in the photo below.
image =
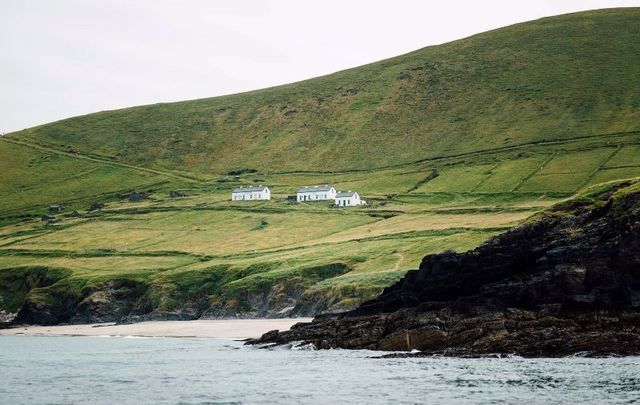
(60, 370)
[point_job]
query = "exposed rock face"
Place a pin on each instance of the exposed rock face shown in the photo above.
(525, 333)
(111, 301)
(18, 292)
(279, 301)
(566, 282)
(286, 297)
(6, 318)
(114, 300)
(48, 297)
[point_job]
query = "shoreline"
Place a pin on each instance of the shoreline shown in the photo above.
(201, 328)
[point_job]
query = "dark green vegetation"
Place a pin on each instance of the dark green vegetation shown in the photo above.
(452, 144)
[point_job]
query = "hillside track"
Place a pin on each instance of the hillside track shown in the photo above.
(95, 159)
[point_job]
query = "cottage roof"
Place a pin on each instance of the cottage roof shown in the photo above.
(345, 194)
(249, 189)
(313, 189)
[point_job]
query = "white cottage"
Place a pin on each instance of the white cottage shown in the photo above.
(251, 193)
(348, 199)
(316, 193)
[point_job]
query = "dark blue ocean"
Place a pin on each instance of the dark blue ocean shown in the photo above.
(96, 370)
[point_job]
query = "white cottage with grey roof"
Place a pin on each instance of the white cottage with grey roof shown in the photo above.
(251, 193)
(348, 199)
(316, 193)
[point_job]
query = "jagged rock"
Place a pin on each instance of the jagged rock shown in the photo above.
(75, 214)
(7, 318)
(56, 208)
(111, 301)
(106, 302)
(564, 283)
(284, 298)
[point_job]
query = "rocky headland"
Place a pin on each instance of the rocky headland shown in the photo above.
(565, 282)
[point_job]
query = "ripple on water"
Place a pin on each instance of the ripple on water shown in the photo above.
(77, 369)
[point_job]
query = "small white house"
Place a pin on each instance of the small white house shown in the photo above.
(348, 199)
(250, 193)
(316, 193)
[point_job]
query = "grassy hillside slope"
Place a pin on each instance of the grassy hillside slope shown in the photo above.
(451, 144)
(556, 78)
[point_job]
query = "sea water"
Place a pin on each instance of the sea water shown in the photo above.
(120, 370)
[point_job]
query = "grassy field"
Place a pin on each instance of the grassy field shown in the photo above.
(267, 246)
(450, 145)
(179, 244)
(231, 252)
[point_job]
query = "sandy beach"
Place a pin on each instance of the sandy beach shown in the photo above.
(225, 329)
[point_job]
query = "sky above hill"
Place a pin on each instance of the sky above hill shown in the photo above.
(70, 57)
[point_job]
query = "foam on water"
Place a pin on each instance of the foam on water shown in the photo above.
(38, 369)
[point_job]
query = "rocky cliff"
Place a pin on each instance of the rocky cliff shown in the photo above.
(565, 282)
(50, 296)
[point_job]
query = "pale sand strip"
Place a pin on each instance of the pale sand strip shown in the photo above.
(227, 329)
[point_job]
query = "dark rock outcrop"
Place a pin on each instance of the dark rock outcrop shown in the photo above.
(111, 301)
(6, 318)
(287, 297)
(52, 302)
(565, 282)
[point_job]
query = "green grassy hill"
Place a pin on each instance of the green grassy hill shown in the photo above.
(557, 78)
(451, 143)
